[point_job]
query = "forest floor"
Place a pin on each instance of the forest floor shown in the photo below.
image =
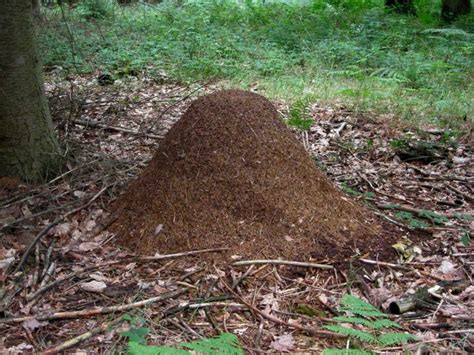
(66, 284)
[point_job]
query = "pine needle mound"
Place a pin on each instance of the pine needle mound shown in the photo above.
(231, 174)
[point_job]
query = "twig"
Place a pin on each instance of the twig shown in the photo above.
(178, 255)
(47, 259)
(94, 311)
(32, 296)
(241, 278)
(211, 304)
(57, 221)
(414, 210)
(383, 263)
(340, 128)
(459, 192)
(114, 128)
(283, 262)
(76, 340)
(315, 332)
(183, 98)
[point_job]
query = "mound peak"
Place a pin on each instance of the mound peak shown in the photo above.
(230, 173)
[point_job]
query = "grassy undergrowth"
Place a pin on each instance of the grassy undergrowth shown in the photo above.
(350, 51)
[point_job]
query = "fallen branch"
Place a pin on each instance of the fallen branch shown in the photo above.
(78, 273)
(94, 311)
(178, 255)
(417, 211)
(56, 222)
(315, 332)
(283, 262)
(94, 124)
(459, 192)
(104, 327)
(400, 267)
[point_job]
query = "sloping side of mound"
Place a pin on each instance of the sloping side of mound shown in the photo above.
(231, 174)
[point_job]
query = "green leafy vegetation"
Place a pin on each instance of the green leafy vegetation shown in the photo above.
(226, 343)
(370, 323)
(350, 51)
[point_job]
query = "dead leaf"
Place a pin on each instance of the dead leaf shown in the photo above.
(283, 343)
(88, 246)
(93, 286)
(31, 324)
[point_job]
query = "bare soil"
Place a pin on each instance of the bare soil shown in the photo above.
(231, 174)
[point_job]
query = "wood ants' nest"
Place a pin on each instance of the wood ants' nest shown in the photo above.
(231, 174)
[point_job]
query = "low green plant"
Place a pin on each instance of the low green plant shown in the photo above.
(299, 115)
(225, 343)
(95, 9)
(410, 219)
(371, 323)
(345, 50)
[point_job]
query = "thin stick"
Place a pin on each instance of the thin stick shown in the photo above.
(94, 124)
(57, 221)
(417, 211)
(76, 340)
(383, 263)
(459, 192)
(283, 262)
(177, 255)
(35, 294)
(94, 311)
(315, 332)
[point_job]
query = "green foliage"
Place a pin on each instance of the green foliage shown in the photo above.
(346, 352)
(137, 335)
(370, 323)
(225, 343)
(412, 221)
(377, 324)
(95, 9)
(347, 50)
(352, 304)
(395, 338)
(353, 333)
(465, 239)
(433, 216)
(299, 115)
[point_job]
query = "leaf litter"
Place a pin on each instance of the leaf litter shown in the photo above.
(182, 298)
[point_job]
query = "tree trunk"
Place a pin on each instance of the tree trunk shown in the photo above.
(36, 9)
(452, 9)
(401, 6)
(28, 147)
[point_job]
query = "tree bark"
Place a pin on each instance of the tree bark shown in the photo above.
(36, 9)
(28, 147)
(452, 9)
(401, 6)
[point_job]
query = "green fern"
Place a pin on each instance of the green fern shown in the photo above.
(353, 333)
(395, 338)
(383, 323)
(346, 352)
(371, 320)
(226, 343)
(355, 305)
(377, 324)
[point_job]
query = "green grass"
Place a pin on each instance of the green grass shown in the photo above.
(349, 51)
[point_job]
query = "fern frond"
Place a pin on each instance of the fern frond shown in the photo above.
(357, 306)
(384, 323)
(346, 352)
(396, 338)
(135, 348)
(354, 320)
(354, 333)
(448, 32)
(226, 343)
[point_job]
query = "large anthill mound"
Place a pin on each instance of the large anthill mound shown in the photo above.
(231, 174)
